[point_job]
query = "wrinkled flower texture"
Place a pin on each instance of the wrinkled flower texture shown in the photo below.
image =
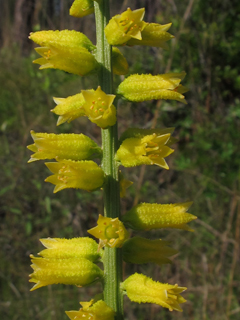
(80, 163)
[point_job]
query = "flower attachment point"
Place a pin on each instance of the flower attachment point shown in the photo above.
(99, 108)
(111, 232)
(125, 26)
(75, 271)
(147, 87)
(142, 289)
(147, 149)
(86, 175)
(92, 311)
(147, 216)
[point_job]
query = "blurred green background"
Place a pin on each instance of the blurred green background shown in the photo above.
(204, 166)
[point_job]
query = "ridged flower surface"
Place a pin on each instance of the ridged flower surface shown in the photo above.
(65, 50)
(82, 8)
(125, 26)
(148, 149)
(142, 289)
(147, 216)
(92, 311)
(140, 250)
(147, 87)
(75, 271)
(83, 247)
(111, 232)
(99, 108)
(63, 146)
(86, 175)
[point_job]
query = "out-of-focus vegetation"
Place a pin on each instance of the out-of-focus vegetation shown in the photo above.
(204, 167)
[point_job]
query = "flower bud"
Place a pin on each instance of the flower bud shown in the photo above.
(111, 232)
(125, 26)
(86, 175)
(153, 35)
(142, 289)
(82, 8)
(99, 108)
(69, 109)
(79, 272)
(119, 62)
(147, 87)
(140, 250)
(148, 149)
(147, 216)
(92, 311)
(63, 146)
(57, 248)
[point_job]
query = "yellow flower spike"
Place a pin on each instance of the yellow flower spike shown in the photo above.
(62, 39)
(147, 216)
(99, 108)
(63, 146)
(69, 109)
(86, 175)
(119, 62)
(147, 87)
(149, 149)
(92, 311)
(140, 250)
(75, 271)
(57, 248)
(125, 26)
(140, 133)
(124, 184)
(153, 35)
(111, 232)
(82, 8)
(142, 289)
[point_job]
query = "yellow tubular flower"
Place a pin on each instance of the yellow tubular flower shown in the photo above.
(147, 87)
(140, 250)
(79, 272)
(69, 109)
(153, 35)
(86, 175)
(99, 108)
(64, 38)
(125, 26)
(147, 216)
(111, 232)
(140, 133)
(63, 146)
(150, 149)
(65, 50)
(82, 8)
(92, 311)
(142, 289)
(57, 248)
(119, 62)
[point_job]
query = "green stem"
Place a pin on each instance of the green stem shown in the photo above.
(112, 257)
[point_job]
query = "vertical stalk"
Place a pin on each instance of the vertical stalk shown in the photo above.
(112, 257)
